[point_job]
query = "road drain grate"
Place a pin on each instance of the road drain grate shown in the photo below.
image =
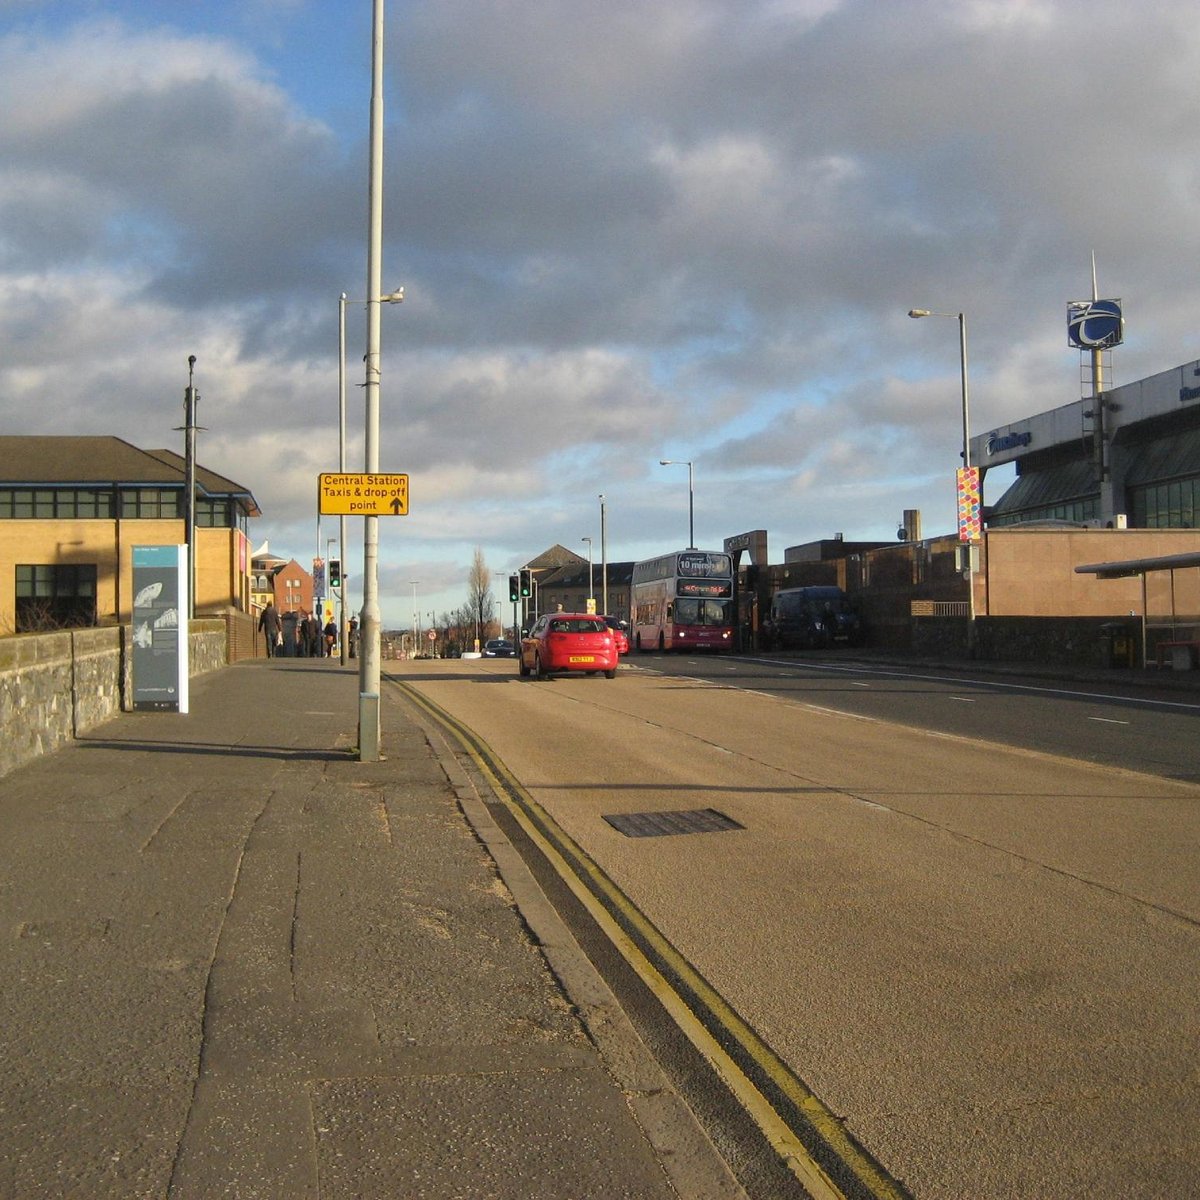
(663, 824)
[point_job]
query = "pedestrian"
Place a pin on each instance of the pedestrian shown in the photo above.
(312, 636)
(353, 637)
(272, 628)
(330, 638)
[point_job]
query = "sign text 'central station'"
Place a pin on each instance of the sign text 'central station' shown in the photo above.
(362, 495)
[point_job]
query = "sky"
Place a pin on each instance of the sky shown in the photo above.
(626, 232)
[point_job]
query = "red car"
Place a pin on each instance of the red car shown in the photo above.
(563, 641)
(620, 630)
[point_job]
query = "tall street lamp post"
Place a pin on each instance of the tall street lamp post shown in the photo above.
(369, 662)
(966, 452)
(603, 557)
(591, 587)
(673, 462)
(391, 298)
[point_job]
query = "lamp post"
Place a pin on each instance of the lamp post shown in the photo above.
(369, 731)
(591, 587)
(391, 298)
(916, 313)
(603, 557)
(674, 462)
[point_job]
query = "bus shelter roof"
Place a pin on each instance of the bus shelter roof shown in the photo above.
(1123, 569)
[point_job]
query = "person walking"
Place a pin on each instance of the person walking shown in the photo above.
(330, 638)
(271, 627)
(353, 637)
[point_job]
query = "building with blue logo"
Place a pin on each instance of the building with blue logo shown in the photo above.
(1130, 461)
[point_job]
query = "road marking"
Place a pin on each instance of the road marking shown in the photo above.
(644, 948)
(964, 699)
(1109, 721)
(988, 683)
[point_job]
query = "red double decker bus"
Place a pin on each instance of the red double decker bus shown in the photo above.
(683, 601)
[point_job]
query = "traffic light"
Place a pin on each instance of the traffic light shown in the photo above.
(335, 572)
(526, 585)
(514, 588)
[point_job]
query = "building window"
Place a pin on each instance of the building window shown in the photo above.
(214, 514)
(1070, 510)
(31, 504)
(151, 503)
(1173, 505)
(55, 597)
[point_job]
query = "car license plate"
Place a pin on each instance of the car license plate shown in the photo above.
(582, 658)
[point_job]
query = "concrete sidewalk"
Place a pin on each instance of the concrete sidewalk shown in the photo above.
(240, 963)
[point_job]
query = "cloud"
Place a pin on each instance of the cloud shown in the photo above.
(621, 239)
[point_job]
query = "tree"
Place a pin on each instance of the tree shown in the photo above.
(481, 603)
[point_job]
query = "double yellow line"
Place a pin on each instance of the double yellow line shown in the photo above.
(709, 1023)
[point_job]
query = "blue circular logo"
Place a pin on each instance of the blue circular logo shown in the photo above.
(1096, 325)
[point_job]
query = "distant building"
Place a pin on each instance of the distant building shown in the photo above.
(282, 582)
(73, 508)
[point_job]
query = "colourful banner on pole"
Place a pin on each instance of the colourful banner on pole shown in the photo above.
(970, 510)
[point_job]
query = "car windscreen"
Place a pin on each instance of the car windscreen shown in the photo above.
(577, 625)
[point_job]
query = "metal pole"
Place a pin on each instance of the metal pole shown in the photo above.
(966, 457)
(966, 421)
(966, 435)
(343, 625)
(369, 631)
(416, 642)
(189, 485)
(603, 556)
(691, 510)
(591, 585)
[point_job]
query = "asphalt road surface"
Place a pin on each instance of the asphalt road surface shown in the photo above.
(1101, 720)
(980, 957)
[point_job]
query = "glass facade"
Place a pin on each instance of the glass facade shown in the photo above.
(1086, 509)
(1172, 505)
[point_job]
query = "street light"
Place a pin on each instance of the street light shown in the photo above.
(391, 298)
(603, 557)
(591, 588)
(672, 462)
(966, 451)
(962, 349)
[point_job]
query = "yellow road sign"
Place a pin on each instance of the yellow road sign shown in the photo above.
(371, 495)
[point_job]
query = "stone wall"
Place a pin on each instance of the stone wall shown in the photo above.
(56, 686)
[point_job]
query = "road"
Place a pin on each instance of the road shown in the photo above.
(1105, 720)
(979, 959)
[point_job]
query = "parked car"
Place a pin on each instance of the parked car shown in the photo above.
(620, 630)
(564, 641)
(807, 618)
(499, 648)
